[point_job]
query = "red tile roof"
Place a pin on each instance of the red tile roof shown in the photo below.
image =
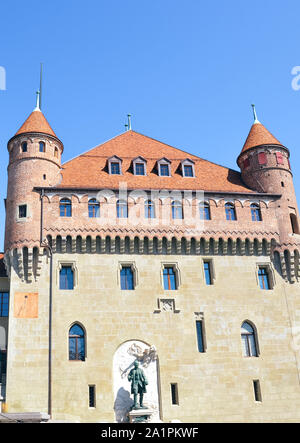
(259, 135)
(89, 170)
(36, 122)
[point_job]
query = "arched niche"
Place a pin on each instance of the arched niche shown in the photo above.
(123, 362)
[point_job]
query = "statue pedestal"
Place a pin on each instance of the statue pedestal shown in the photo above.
(140, 415)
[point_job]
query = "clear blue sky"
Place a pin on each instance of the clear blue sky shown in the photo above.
(187, 71)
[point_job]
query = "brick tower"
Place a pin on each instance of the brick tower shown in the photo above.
(265, 167)
(34, 160)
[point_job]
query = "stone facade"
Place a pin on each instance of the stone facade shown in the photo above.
(155, 325)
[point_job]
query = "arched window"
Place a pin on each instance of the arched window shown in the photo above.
(230, 211)
(94, 208)
(65, 207)
(149, 209)
(249, 340)
(76, 343)
(55, 152)
(41, 146)
(122, 209)
(24, 147)
(177, 211)
(204, 211)
(255, 212)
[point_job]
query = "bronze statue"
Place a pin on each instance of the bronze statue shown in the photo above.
(138, 384)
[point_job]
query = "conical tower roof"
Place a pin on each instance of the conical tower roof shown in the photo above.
(36, 122)
(259, 135)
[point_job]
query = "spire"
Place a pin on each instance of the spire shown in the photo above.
(259, 135)
(38, 102)
(254, 114)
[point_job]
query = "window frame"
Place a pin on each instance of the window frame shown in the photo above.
(3, 303)
(65, 204)
(229, 211)
(149, 213)
(77, 337)
(176, 206)
(164, 162)
(72, 265)
(189, 163)
(114, 160)
(247, 351)
(138, 161)
(132, 266)
(120, 205)
(255, 210)
(93, 208)
(206, 210)
(176, 275)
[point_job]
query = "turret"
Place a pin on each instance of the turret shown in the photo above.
(34, 160)
(265, 168)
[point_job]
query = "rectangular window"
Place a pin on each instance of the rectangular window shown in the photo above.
(164, 170)
(66, 278)
(263, 278)
(279, 158)
(127, 282)
(4, 302)
(200, 335)
(92, 396)
(188, 171)
(257, 390)
(170, 281)
(174, 394)
(22, 211)
(139, 169)
(262, 158)
(207, 272)
(115, 168)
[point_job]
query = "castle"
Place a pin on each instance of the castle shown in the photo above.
(136, 250)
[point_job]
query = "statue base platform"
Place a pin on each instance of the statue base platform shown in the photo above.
(140, 415)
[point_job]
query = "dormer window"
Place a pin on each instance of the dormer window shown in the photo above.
(164, 167)
(139, 166)
(114, 165)
(188, 169)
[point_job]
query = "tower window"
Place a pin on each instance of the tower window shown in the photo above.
(55, 152)
(262, 158)
(42, 147)
(279, 158)
(230, 211)
(24, 147)
(255, 212)
(65, 207)
(22, 211)
(294, 224)
(76, 343)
